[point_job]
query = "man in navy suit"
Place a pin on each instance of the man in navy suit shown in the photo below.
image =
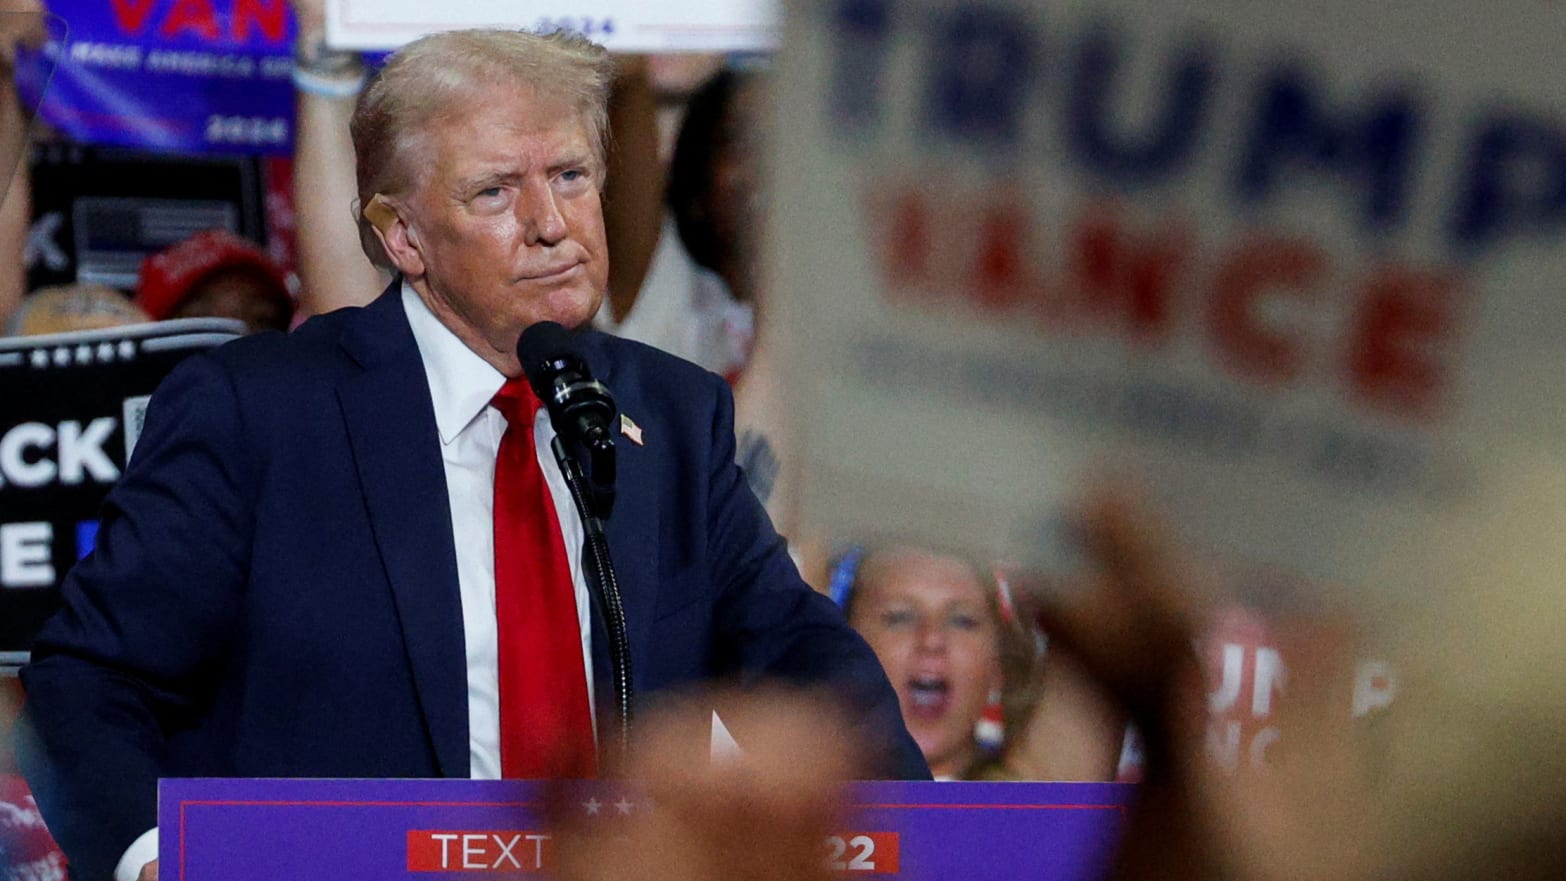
(296, 575)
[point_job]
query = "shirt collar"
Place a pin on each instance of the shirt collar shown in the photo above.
(461, 383)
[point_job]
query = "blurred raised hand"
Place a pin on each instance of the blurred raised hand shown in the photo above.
(21, 24)
(333, 269)
(761, 815)
(1132, 625)
(310, 15)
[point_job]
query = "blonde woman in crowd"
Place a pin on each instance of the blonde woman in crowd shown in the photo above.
(959, 654)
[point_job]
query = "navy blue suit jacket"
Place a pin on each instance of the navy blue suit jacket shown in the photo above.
(274, 587)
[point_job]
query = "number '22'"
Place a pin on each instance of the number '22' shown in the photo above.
(864, 847)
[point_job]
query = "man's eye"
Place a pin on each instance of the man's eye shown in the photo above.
(896, 618)
(573, 175)
(487, 193)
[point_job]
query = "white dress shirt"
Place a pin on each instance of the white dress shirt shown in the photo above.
(461, 386)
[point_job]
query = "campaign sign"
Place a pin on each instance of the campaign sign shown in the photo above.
(194, 76)
(325, 830)
(620, 25)
(71, 408)
(1294, 269)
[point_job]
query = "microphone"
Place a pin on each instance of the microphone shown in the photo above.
(580, 408)
(582, 412)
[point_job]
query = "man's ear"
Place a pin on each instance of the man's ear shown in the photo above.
(398, 239)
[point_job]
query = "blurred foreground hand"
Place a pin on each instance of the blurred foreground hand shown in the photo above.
(1463, 777)
(763, 815)
(21, 25)
(1132, 623)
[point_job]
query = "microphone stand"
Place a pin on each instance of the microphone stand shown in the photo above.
(602, 584)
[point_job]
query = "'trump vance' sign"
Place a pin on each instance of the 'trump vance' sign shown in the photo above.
(1295, 265)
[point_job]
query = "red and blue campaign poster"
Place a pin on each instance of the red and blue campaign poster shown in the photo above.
(327, 830)
(194, 76)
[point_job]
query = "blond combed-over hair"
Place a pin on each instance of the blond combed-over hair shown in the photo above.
(439, 75)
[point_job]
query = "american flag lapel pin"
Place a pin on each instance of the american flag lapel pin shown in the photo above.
(630, 429)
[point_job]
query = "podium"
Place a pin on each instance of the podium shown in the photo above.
(420, 830)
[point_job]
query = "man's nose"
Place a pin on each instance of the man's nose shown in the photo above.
(543, 223)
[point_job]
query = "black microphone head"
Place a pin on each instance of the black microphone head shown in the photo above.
(581, 409)
(545, 350)
(556, 367)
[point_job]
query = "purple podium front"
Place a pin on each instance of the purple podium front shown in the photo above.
(424, 830)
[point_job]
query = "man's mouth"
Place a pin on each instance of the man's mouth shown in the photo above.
(550, 273)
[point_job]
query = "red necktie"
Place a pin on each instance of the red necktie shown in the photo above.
(546, 727)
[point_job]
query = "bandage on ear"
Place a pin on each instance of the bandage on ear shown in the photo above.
(380, 213)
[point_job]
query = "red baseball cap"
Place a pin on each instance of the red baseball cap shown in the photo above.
(168, 276)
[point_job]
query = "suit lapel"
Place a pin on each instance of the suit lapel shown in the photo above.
(391, 427)
(633, 528)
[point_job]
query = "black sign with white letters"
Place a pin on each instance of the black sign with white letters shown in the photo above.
(71, 407)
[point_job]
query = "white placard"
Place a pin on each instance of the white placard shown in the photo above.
(1295, 267)
(621, 25)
